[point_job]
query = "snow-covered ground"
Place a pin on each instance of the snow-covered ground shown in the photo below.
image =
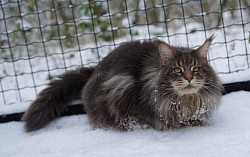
(228, 136)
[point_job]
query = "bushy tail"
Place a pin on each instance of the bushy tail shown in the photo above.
(54, 99)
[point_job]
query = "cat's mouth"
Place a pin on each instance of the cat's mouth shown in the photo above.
(188, 89)
(189, 86)
(185, 87)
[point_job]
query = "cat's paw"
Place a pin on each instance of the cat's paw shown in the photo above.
(193, 123)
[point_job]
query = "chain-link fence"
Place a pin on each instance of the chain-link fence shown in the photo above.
(40, 39)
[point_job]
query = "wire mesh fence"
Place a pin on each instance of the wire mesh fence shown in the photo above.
(42, 39)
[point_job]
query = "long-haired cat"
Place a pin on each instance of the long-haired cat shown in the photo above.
(139, 84)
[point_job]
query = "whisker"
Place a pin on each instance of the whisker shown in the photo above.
(214, 86)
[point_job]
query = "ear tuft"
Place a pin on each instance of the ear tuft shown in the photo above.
(203, 49)
(166, 52)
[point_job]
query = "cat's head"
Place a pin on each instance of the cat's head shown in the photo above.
(187, 70)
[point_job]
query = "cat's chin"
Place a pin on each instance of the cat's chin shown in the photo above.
(188, 90)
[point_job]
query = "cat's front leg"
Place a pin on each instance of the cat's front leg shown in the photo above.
(130, 123)
(164, 123)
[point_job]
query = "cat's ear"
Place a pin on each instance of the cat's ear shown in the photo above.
(166, 52)
(203, 49)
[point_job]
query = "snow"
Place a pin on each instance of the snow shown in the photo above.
(240, 76)
(15, 108)
(227, 136)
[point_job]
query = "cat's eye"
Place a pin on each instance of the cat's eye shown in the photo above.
(196, 69)
(177, 69)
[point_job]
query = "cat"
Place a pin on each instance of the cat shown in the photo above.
(138, 85)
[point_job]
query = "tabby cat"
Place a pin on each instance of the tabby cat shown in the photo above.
(139, 84)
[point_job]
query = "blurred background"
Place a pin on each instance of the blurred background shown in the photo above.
(40, 39)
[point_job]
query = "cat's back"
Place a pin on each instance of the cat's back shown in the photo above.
(129, 56)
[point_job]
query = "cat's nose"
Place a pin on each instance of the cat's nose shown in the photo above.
(189, 78)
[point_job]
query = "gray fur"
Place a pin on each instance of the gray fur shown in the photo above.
(136, 86)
